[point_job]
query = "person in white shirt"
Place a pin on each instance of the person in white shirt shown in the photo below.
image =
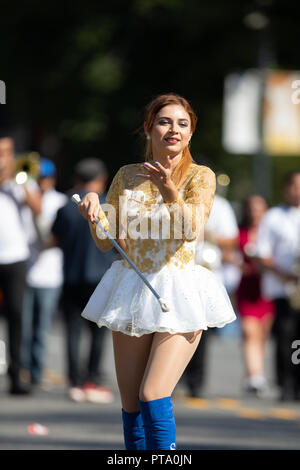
(18, 203)
(278, 251)
(44, 278)
(222, 231)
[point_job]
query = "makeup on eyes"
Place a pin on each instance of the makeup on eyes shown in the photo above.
(181, 122)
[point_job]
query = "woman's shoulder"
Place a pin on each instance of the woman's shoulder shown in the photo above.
(126, 175)
(124, 172)
(197, 168)
(201, 174)
(195, 171)
(194, 167)
(128, 168)
(130, 165)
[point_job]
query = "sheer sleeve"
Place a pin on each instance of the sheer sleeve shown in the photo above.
(111, 222)
(189, 213)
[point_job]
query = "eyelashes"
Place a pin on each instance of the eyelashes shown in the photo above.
(164, 122)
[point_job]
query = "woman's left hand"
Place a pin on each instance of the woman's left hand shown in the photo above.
(161, 177)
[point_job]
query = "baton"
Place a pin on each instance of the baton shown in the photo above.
(164, 307)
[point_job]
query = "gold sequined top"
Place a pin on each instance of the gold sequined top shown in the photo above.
(156, 233)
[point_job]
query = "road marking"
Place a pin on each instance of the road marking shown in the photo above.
(199, 403)
(240, 410)
(59, 380)
(228, 403)
(282, 413)
(251, 413)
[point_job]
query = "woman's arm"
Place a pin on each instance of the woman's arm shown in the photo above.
(195, 207)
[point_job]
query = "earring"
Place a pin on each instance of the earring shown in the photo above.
(148, 137)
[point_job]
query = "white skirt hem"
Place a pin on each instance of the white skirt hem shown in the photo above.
(101, 323)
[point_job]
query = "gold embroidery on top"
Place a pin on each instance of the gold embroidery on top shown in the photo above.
(143, 198)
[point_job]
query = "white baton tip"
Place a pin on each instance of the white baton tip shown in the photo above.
(76, 198)
(163, 305)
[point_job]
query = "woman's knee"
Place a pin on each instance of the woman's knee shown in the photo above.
(130, 404)
(148, 393)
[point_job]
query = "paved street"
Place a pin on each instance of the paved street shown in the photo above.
(222, 419)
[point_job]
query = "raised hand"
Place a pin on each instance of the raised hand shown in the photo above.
(161, 176)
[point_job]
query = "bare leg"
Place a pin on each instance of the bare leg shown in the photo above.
(253, 345)
(153, 362)
(131, 356)
(267, 323)
(169, 356)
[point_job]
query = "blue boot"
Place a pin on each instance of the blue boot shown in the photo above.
(159, 423)
(133, 430)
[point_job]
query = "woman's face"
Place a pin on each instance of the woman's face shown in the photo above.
(171, 130)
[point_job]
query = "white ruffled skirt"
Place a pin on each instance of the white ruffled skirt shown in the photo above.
(196, 299)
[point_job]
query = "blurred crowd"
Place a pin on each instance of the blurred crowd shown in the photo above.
(258, 260)
(49, 263)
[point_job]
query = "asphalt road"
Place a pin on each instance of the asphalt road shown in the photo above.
(223, 419)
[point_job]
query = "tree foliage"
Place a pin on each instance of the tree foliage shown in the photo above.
(79, 74)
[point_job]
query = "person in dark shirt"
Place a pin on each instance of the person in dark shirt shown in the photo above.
(84, 265)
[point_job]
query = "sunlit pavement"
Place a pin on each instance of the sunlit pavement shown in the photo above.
(222, 419)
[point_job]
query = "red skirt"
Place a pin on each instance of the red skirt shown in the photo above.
(250, 302)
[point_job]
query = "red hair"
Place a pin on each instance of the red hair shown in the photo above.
(151, 111)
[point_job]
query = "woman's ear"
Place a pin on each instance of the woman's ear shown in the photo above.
(146, 133)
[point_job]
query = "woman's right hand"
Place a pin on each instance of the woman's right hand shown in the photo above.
(89, 206)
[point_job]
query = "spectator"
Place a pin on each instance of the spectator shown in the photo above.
(44, 278)
(277, 250)
(84, 266)
(222, 231)
(256, 312)
(17, 203)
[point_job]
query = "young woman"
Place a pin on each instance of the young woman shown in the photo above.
(256, 312)
(152, 348)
